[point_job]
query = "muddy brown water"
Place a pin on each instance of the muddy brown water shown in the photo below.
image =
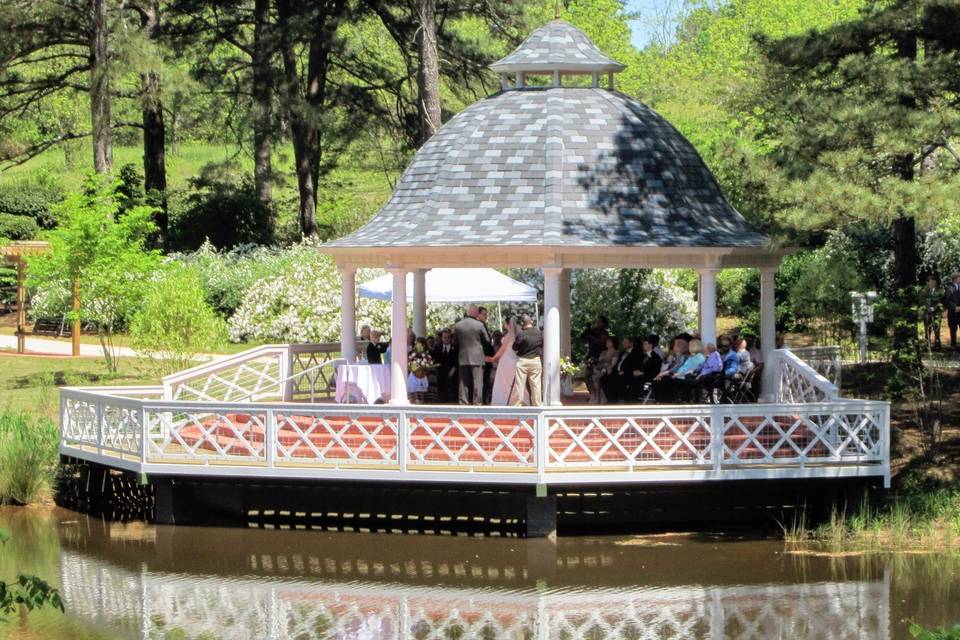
(143, 581)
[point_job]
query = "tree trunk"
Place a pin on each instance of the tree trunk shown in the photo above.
(263, 103)
(428, 73)
(154, 129)
(304, 110)
(100, 89)
(904, 228)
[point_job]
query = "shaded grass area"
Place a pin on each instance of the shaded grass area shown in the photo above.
(922, 512)
(29, 383)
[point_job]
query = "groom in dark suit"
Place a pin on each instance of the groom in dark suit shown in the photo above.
(470, 337)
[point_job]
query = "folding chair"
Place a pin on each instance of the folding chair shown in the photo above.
(742, 391)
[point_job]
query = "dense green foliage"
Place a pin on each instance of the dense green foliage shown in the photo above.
(28, 456)
(175, 322)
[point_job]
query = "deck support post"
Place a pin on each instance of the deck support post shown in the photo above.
(348, 314)
(398, 338)
(708, 305)
(173, 502)
(768, 334)
(565, 341)
(420, 303)
(540, 516)
(551, 336)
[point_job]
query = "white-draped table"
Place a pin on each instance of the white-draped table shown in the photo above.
(368, 382)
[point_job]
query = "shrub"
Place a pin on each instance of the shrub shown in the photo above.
(28, 456)
(300, 302)
(33, 197)
(220, 206)
(175, 322)
(18, 227)
(820, 295)
(738, 291)
(636, 301)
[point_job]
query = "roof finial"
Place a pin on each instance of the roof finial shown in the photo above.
(556, 9)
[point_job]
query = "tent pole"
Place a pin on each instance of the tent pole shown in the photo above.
(499, 314)
(536, 312)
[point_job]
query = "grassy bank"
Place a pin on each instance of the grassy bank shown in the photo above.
(29, 383)
(910, 522)
(28, 456)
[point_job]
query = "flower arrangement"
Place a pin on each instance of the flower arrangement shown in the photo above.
(420, 363)
(568, 368)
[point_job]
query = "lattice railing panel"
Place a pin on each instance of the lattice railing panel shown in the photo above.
(331, 439)
(806, 437)
(205, 435)
(79, 422)
(121, 428)
(825, 360)
(312, 375)
(247, 379)
(799, 383)
(471, 440)
(628, 440)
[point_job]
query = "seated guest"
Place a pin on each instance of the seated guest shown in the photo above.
(744, 361)
(708, 378)
(756, 354)
(677, 354)
(655, 340)
(650, 367)
(606, 361)
(617, 384)
(667, 385)
(376, 349)
(730, 357)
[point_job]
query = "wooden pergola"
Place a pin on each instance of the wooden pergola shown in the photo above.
(16, 253)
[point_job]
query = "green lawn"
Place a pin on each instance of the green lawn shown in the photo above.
(30, 383)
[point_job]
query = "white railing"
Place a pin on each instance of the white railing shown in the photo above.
(798, 382)
(524, 445)
(269, 372)
(149, 604)
(826, 360)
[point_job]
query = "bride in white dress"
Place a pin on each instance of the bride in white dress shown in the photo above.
(506, 361)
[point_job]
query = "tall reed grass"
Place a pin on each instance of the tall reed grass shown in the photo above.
(28, 456)
(909, 521)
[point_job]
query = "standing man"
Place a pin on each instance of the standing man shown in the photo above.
(952, 300)
(529, 348)
(934, 314)
(445, 357)
(469, 338)
(488, 351)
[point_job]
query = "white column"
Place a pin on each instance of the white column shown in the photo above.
(398, 338)
(420, 303)
(708, 305)
(565, 338)
(551, 335)
(768, 332)
(348, 316)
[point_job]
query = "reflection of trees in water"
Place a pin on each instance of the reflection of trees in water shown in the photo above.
(157, 605)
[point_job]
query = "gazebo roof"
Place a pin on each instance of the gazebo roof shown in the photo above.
(559, 170)
(558, 45)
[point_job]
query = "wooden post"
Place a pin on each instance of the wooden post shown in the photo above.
(75, 305)
(21, 306)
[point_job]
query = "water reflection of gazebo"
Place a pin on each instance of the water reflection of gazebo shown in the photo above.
(555, 177)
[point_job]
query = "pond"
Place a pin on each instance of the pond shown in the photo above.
(143, 581)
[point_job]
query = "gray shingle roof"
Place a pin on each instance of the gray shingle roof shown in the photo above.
(557, 45)
(561, 166)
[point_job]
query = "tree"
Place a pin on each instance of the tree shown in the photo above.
(105, 252)
(862, 119)
(428, 72)
(176, 323)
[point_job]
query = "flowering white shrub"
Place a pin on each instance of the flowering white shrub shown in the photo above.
(636, 302)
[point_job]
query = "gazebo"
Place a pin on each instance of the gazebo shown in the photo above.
(556, 177)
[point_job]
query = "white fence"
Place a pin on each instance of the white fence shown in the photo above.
(184, 428)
